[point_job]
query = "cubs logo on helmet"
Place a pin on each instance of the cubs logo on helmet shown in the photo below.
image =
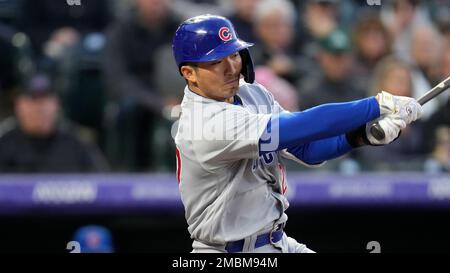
(224, 34)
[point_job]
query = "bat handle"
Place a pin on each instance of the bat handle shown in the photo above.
(377, 132)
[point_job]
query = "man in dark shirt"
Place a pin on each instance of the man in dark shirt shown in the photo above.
(243, 18)
(34, 141)
(57, 21)
(131, 67)
(332, 81)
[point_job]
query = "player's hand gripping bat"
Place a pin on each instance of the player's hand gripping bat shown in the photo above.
(377, 131)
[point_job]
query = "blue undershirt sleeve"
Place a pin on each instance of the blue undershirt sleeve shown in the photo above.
(301, 131)
(322, 150)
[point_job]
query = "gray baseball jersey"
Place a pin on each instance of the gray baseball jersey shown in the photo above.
(229, 192)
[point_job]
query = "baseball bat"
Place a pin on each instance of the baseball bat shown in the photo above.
(377, 131)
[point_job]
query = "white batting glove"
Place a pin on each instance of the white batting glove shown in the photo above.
(392, 124)
(407, 108)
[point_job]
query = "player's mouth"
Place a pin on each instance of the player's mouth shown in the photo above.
(232, 81)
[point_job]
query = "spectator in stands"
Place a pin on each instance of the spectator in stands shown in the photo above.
(130, 68)
(401, 17)
(189, 8)
(318, 19)
(394, 76)
(35, 141)
(274, 25)
(446, 60)
(439, 159)
(439, 12)
(446, 34)
(372, 42)
(242, 18)
(54, 24)
(426, 51)
(441, 117)
(331, 81)
(321, 17)
(284, 93)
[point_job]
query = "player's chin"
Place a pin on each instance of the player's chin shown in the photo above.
(231, 93)
(231, 89)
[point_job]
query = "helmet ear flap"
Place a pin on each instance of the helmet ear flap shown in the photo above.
(247, 66)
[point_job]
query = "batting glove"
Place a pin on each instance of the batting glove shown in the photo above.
(408, 109)
(392, 125)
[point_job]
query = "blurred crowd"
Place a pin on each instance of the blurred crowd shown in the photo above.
(89, 85)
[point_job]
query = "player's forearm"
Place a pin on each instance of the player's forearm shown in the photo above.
(324, 121)
(321, 150)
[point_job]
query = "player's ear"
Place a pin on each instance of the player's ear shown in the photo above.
(188, 73)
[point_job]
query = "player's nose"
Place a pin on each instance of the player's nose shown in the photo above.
(231, 66)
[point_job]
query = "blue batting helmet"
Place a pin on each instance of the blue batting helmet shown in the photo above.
(207, 38)
(94, 239)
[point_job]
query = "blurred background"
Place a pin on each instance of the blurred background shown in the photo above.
(88, 89)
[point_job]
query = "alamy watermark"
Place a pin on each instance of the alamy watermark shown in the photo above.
(374, 247)
(74, 247)
(373, 2)
(224, 123)
(73, 2)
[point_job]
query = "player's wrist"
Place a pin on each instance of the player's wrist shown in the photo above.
(377, 97)
(387, 103)
(357, 138)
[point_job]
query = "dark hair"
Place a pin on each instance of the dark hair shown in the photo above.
(193, 64)
(368, 22)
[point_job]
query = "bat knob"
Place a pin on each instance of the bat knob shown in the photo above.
(377, 132)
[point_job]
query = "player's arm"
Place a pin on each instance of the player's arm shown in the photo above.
(325, 148)
(316, 152)
(325, 121)
(349, 121)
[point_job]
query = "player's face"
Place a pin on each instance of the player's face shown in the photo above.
(217, 80)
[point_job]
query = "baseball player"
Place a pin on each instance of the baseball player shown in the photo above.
(233, 137)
